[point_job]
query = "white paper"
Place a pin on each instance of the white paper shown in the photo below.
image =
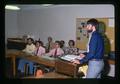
(111, 22)
(82, 51)
(71, 57)
(111, 41)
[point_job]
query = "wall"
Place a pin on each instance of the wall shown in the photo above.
(58, 22)
(11, 25)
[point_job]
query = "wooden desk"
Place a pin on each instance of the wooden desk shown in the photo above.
(13, 54)
(50, 75)
(61, 66)
(15, 43)
(67, 68)
(39, 60)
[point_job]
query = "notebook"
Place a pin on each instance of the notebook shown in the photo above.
(70, 57)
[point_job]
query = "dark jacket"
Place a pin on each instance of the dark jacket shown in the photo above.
(96, 48)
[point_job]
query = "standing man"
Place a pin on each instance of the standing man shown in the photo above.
(95, 51)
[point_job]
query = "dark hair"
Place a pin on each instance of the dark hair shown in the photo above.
(50, 37)
(93, 22)
(59, 43)
(62, 41)
(40, 42)
(72, 42)
(30, 39)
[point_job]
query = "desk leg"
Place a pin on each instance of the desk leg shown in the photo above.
(14, 66)
(75, 72)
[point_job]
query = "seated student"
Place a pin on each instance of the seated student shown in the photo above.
(57, 51)
(71, 48)
(40, 50)
(63, 44)
(30, 48)
(49, 45)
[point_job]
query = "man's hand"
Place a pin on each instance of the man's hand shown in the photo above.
(82, 55)
(75, 61)
(23, 50)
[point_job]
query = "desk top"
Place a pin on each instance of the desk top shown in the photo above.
(12, 52)
(41, 60)
(14, 40)
(64, 61)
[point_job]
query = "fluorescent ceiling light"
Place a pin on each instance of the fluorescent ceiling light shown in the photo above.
(11, 7)
(46, 5)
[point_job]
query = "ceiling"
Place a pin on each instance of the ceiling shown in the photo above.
(29, 6)
(40, 6)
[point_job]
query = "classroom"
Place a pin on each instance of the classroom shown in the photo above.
(55, 40)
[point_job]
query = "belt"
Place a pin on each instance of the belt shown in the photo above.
(96, 59)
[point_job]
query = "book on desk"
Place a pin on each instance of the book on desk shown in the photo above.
(70, 57)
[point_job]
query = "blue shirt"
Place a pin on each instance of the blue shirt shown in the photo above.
(96, 48)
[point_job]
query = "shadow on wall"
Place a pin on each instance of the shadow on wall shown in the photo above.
(107, 47)
(102, 30)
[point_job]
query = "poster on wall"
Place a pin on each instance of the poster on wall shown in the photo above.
(82, 30)
(106, 28)
(82, 35)
(111, 23)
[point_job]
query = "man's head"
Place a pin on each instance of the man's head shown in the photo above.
(49, 39)
(30, 41)
(38, 43)
(62, 42)
(71, 43)
(92, 25)
(57, 44)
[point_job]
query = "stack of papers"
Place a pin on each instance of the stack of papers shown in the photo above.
(71, 57)
(82, 51)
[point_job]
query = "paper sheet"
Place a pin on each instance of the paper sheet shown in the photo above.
(111, 22)
(70, 57)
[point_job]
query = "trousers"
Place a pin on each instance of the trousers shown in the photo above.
(95, 68)
(21, 64)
